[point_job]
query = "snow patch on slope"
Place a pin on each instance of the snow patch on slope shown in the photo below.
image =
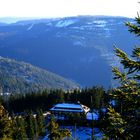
(64, 23)
(99, 23)
(30, 27)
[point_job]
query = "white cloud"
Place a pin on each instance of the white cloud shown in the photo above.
(57, 8)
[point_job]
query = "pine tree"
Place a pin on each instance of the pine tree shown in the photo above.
(30, 130)
(52, 128)
(41, 123)
(5, 125)
(124, 119)
(55, 133)
(36, 128)
(19, 128)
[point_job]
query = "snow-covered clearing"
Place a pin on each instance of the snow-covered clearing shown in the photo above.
(81, 133)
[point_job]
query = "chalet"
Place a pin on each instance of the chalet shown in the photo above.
(69, 107)
(61, 110)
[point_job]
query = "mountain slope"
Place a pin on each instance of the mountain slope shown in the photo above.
(78, 48)
(20, 77)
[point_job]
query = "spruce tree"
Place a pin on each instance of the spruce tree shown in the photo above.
(36, 128)
(5, 125)
(30, 129)
(19, 128)
(124, 119)
(55, 133)
(40, 123)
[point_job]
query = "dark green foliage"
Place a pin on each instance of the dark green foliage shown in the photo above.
(33, 101)
(116, 126)
(5, 125)
(40, 123)
(134, 28)
(36, 128)
(55, 133)
(19, 128)
(123, 122)
(46, 99)
(30, 125)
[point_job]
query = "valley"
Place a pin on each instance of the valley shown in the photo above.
(77, 48)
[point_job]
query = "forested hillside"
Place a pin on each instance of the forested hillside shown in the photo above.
(20, 77)
(78, 48)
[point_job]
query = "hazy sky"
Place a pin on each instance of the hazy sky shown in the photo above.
(61, 8)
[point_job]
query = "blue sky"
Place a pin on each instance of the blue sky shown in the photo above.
(62, 8)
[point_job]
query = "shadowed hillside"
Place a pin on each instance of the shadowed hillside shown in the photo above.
(20, 77)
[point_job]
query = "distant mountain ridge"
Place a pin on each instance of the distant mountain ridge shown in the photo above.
(78, 48)
(21, 77)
